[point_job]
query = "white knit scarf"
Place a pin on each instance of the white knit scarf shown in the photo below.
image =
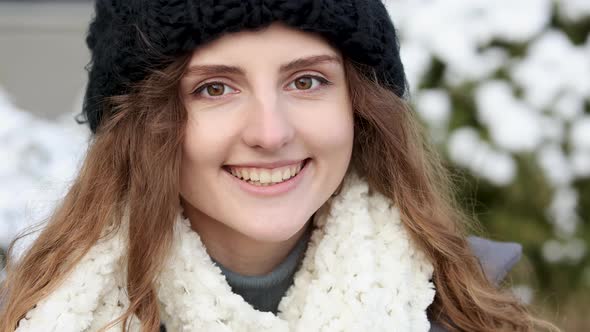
(360, 272)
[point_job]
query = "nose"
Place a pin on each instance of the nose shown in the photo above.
(268, 125)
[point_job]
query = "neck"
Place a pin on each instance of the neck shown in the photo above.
(237, 252)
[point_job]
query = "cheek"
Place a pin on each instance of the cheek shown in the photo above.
(203, 142)
(192, 162)
(331, 128)
(204, 150)
(195, 146)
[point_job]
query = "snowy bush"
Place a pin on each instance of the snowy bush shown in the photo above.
(39, 158)
(504, 87)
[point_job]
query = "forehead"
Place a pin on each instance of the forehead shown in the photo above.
(270, 46)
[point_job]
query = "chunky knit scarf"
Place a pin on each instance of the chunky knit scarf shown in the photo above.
(361, 272)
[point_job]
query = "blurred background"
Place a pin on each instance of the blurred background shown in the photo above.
(503, 87)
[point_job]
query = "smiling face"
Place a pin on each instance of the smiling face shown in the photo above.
(269, 133)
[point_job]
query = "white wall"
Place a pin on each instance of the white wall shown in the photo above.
(43, 54)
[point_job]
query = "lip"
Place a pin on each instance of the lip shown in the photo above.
(274, 189)
(271, 165)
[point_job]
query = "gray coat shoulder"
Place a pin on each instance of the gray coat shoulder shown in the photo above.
(496, 258)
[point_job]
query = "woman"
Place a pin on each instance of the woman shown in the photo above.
(254, 167)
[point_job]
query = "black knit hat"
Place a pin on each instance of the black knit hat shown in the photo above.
(121, 30)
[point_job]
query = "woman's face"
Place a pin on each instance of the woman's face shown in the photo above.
(261, 105)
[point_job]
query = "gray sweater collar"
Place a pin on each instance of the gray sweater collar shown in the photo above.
(265, 292)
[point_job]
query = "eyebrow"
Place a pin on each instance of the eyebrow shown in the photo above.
(236, 70)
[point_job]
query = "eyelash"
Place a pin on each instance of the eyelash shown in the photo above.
(322, 83)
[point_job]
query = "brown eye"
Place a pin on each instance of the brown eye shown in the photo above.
(304, 83)
(309, 83)
(216, 89)
(213, 90)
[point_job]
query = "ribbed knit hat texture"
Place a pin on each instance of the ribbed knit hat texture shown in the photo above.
(121, 29)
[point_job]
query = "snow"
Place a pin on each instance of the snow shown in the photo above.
(39, 158)
(434, 106)
(454, 30)
(523, 292)
(555, 165)
(553, 129)
(572, 251)
(467, 149)
(574, 10)
(580, 162)
(513, 125)
(569, 106)
(553, 66)
(580, 133)
(416, 60)
(562, 211)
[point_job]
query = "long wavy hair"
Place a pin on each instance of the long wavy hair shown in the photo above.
(132, 170)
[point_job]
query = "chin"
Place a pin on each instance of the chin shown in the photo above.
(272, 233)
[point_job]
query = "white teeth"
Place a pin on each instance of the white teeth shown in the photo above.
(277, 176)
(265, 177)
(286, 174)
(254, 176)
